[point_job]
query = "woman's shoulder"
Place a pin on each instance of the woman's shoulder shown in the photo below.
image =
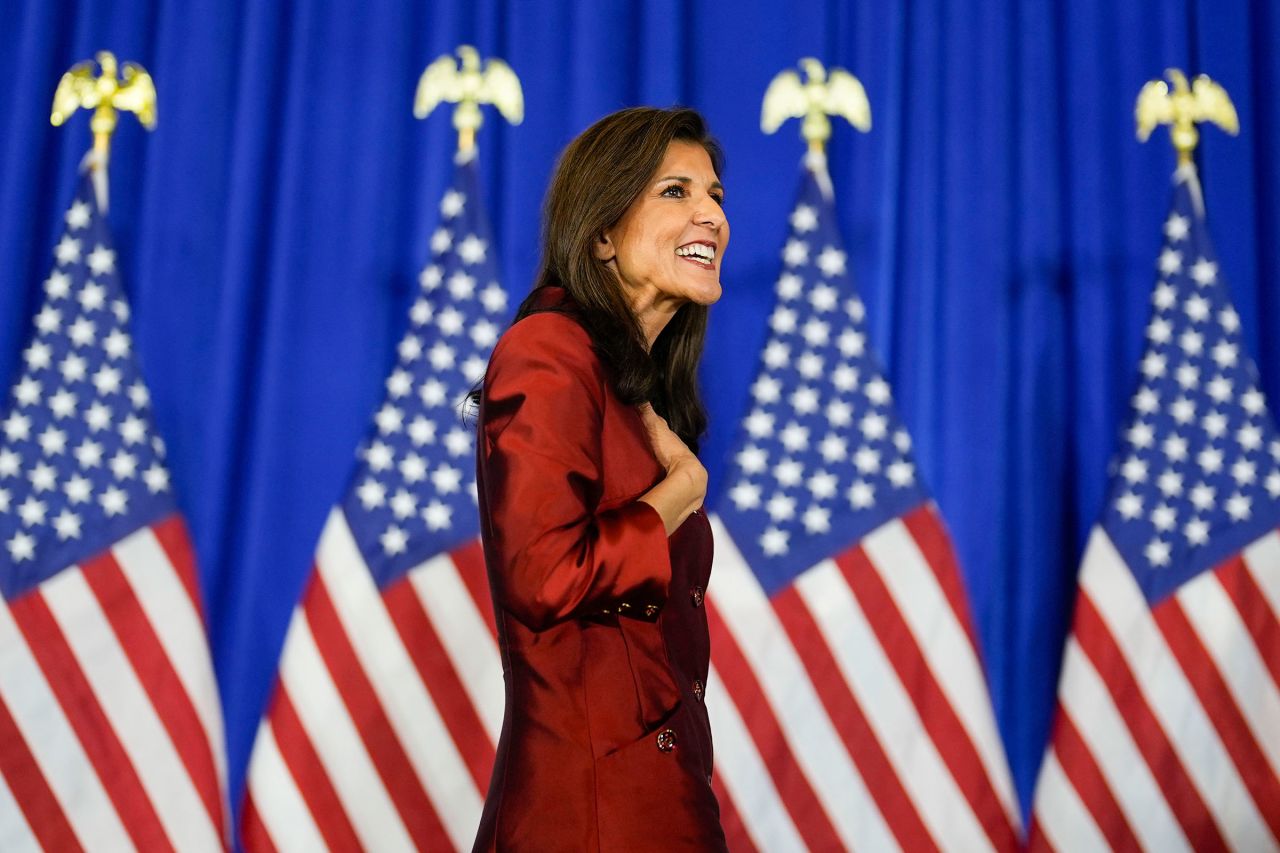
(548, 338)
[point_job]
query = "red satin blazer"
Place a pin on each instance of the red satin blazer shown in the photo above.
(605, 744)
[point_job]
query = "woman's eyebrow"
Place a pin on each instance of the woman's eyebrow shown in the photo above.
(715, 185)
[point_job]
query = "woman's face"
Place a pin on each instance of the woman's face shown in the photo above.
(669, 245)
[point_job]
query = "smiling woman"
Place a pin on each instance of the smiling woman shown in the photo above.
(590, 495)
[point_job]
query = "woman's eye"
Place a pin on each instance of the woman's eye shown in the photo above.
(677, 188)
(719, 199)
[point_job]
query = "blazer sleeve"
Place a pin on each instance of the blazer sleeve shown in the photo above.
(557, 556)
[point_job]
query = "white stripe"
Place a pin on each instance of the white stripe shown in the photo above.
(333, 735)
(742, 771)
(15, 833)
(130, 713)
(463, 631)
(946, 647)
(381, 652)
(1262, 559)
(277, 799)
(1217, 624)
(1105, 733)
(808, 730)
(173, 616)
(1060, 814)
(53, 742)
(890, 710)
(1113, 590)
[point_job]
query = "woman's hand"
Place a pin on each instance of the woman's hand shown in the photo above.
(685, 486)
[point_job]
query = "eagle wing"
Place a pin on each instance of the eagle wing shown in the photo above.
(501, 87)
(1213, 104)
(75, 89)
(1154, 107)
(439, 82)
(784, 99)
(846, 97)
(137, 95)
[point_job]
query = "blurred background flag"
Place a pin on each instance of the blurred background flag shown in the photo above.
(1167, 733)
(110, 726)
(381, 731)
(847, 695)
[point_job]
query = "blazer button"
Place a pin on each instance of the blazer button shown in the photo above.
(698, 689)
(667, 740)
(696, 595)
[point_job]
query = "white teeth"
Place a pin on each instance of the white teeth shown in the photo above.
(697, 250)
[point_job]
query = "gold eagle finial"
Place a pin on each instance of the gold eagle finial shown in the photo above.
(1202, 100)
(824, 93)
(464, 83)
(105, 95)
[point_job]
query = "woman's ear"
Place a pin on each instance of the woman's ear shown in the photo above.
(603, 247)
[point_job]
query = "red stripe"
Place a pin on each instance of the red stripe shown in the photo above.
(736, 836)
(797, 794)
(156, 674)
(469, 559)
(80, 704)
(930, 534)
(1261, 623)
(846, 714)
(309, 775)
(376, 732)
(1037, 842)
(1216, 698)
(1090, 783)
(253, 832)
(1100, 647)
(30, 790)
(441, 680)
(171, 533)
(936, 713)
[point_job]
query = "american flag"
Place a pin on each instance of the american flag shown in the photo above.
(1168, 726)
(110, 723)
(381, 731)
(847, 695)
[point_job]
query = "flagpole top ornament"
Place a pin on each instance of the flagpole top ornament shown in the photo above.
(1182, 108)
(465, 83)
(824, 93)
(106, 95)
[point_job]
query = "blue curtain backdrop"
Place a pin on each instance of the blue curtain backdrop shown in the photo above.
(1002, 222)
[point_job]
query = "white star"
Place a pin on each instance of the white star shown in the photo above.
(156, 478)
(1141, 434)
(1204, 271)
(817, 520)
(446, 479)
(422, 431)
(1197, 308)
(873, 426)
(106, 380)
(1220, 389)
(1157, 552)
(31, 511)
(1176, 227)
(867, 460)
(833, 448)
(1273, 484)
(1229, 319)
(101, 260)
(1238, 507)
(472, 250)
(16, 427)
(437, 515)
(774, 542)
(745, 495)
(862, 494)
(855, 309)
(839, 413)
(494, 298)
(1183, 410)
(380, 456)
(9, 463)
(901, 473)
(371, 493)
(1134, 470)
(1253, 401)
(1159, 331)
(1164, 296)
(777, 354)
(1214, 423)
(410, 348)
(77, 216)
(1202, 496)
(1196, 531)
(389, 419)
(124, 465)
(394, 540)
(48, 320)
(852, 343)
(458, 442)
(433, 392)
(782, 320)
(73, 368)
(450, 321)
(399, 383)
(116, 344)
(804, 218)
(38, 355)
(484, 334)
(1192, 342)
(421, 312)
(1244, 472)
(815, 332)
(795, 253)
(1153, 366)
(404, 504)
(831, 261)
(902, 441)
(67, 251)
(452, 203)
(752, 459)
(845, 377)
(780, 507)
(43, 478)
(413, 468)
(82, 332)
(1210, 460)
(52, 441)
(766, 389)
(92, 297)
(1146, 401)
(794, 437)
(805, 400)
(1188, 376)
(21, 547)
(759, 424)
(822, 485)
(441, 356)
(78, 490)
(824, 298)
(441, 241)
(430, 277)
(461, 285)
(133, 430)
(67, 524)
(1170, 261)
(121, 310)
(877, 391)
(810, 365)
(1225, 354)
(1170, 483)
(27, 392)
(1249, 437)
(138, 395)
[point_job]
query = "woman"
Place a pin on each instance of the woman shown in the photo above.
(598, 552)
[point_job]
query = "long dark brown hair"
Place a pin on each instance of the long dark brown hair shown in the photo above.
(599, 175)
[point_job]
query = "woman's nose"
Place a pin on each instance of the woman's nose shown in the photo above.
(709, 213)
